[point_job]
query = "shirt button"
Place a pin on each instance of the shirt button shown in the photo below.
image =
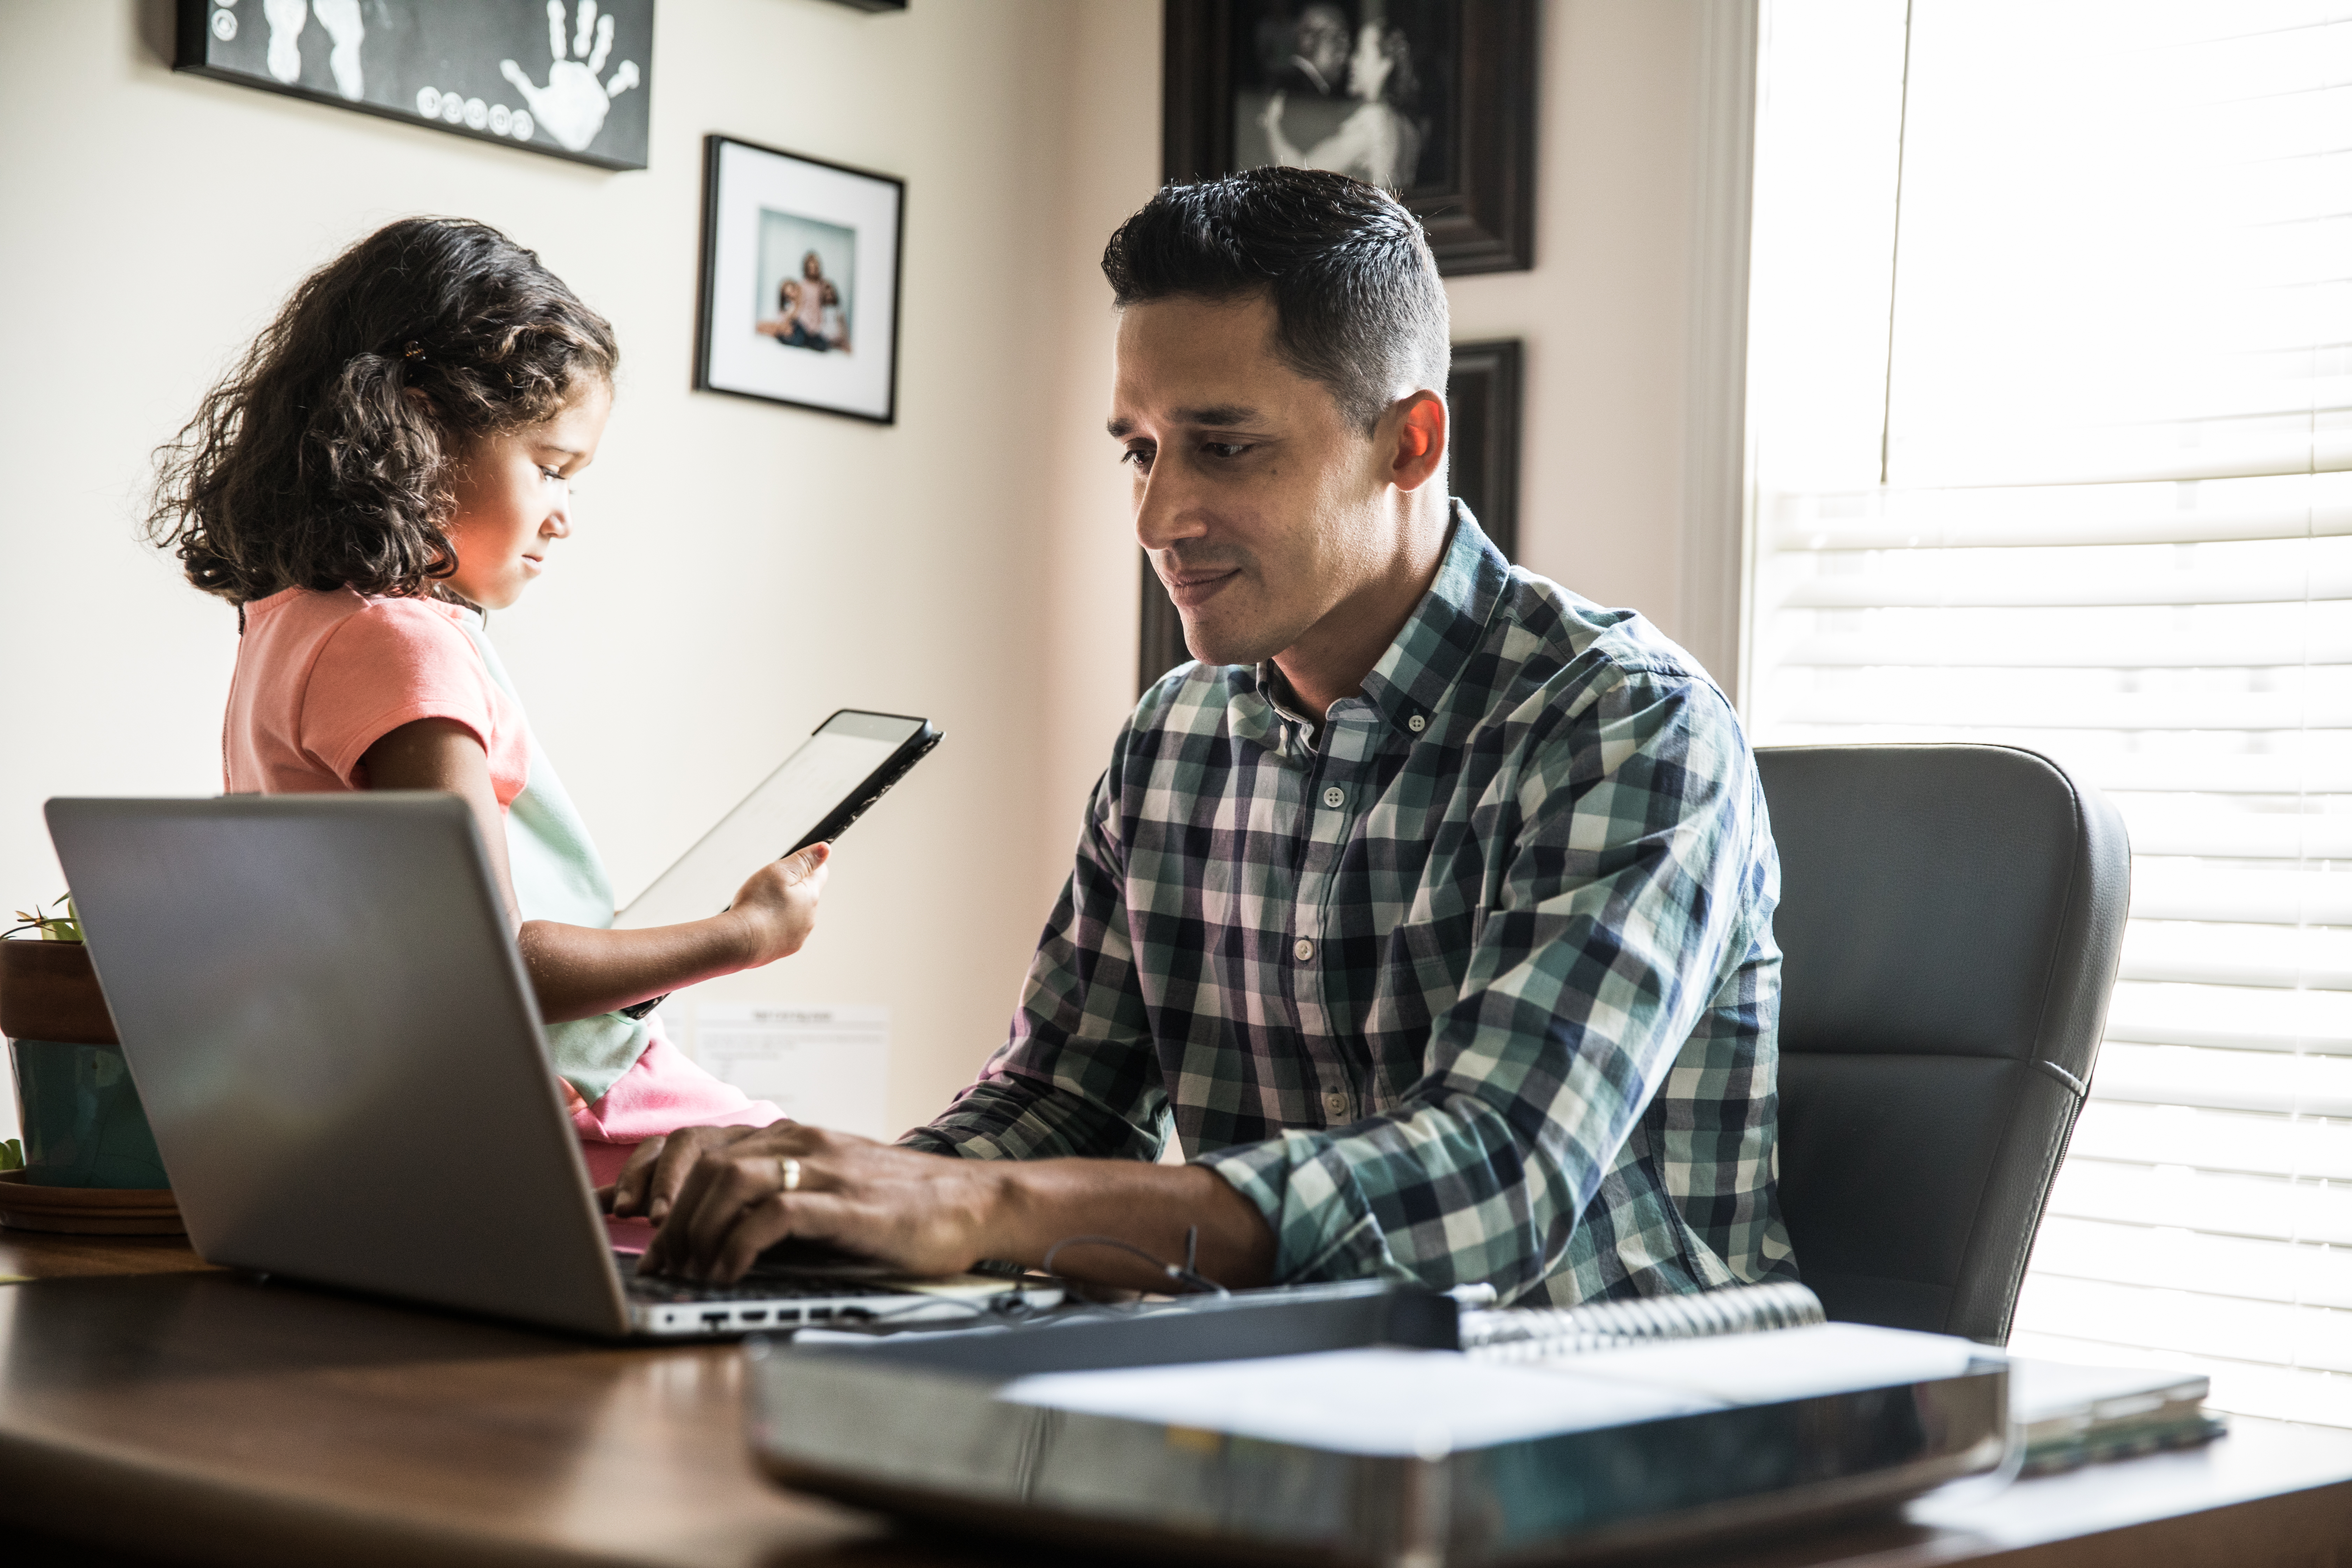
(1336, 1103)
(1335, 797)
(1304, 949)
(1416, 723)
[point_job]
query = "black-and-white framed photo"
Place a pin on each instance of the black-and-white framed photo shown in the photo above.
(1435, 100)
(570, 79)
(800, 280)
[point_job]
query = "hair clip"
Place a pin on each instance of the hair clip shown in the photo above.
(412, 352)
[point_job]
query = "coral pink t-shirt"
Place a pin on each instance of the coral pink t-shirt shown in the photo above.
(321, 676)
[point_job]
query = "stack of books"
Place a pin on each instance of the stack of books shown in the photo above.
(2081, 1415)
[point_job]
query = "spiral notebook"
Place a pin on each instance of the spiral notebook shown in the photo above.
(1539, 1333)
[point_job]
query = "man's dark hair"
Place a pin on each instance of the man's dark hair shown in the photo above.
(1357, 303)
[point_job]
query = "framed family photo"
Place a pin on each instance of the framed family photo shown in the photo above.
(1433, 99)
(799, 281)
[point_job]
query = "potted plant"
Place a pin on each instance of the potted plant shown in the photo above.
(87, 1162)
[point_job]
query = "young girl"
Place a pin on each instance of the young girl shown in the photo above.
(392, 458)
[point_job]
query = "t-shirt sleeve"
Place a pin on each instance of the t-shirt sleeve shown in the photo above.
(392, 664)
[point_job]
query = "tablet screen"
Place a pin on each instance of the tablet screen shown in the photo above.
(827, 769)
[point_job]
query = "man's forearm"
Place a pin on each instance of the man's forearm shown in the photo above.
(721, 1195)
(1011, 1116)
(1039, 1204)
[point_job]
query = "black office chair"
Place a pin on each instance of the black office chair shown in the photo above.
(1951, 918)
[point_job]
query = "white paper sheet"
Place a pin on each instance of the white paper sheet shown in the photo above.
(827, 1065)
(1380, 1401)
(1401, 1402)
(1780, 1363)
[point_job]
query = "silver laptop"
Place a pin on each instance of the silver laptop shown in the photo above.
(337, 1046)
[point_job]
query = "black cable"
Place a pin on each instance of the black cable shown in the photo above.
(1183, 1274)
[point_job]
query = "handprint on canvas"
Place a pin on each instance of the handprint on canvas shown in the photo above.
(566, 77)
(573, 105)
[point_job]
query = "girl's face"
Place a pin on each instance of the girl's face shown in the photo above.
(514, 498)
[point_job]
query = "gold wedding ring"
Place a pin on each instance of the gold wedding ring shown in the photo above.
(789, 1169)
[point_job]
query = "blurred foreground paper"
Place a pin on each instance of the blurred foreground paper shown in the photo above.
(827, 1065)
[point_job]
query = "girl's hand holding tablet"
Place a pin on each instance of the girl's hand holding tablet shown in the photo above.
(778, 906)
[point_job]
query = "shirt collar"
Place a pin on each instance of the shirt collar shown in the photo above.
(1427, 658)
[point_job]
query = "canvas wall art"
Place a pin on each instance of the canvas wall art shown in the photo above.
(572, 78)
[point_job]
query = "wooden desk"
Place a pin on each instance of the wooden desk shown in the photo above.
(175, 1413)
(29, 1254)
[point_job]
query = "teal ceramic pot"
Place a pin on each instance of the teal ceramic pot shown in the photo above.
(84, 1126)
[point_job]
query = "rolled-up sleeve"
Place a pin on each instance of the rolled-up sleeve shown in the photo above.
(1625, 899)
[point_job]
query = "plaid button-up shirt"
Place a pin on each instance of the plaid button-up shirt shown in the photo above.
(1480, 987)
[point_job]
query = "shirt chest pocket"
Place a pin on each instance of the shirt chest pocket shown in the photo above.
(1422, 967)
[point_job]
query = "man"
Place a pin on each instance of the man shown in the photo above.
(1432, 905)
(1317, 47)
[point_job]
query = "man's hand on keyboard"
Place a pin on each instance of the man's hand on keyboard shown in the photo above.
(721, 1195)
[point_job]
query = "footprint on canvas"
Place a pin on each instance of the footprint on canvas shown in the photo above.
(573, 103)
(345, 30)
(286, 19)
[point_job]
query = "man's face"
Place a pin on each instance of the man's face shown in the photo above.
(1323, 41)
(1256, 499)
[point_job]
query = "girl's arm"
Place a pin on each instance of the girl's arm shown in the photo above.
(579, 971)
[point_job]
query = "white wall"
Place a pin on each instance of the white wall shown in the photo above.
(740, 570)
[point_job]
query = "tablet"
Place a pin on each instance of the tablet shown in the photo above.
(840, 770)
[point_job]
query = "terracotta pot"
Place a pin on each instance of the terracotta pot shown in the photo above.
(84, 1126)
(49, 992)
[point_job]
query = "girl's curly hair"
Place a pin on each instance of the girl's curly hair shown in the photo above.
(324, 458)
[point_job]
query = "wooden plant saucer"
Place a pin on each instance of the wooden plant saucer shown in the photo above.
(88, 1210)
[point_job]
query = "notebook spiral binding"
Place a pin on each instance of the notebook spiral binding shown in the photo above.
(1537, 1333)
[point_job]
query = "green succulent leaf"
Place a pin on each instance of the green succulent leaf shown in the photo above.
(52, 927)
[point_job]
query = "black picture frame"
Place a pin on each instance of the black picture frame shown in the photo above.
(1483, 398)
(1479, 208)
(445, 65)
(869, 205)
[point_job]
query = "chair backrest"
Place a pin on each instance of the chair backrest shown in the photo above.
(1951, 918)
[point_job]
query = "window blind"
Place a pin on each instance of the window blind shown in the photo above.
(2051, 415)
